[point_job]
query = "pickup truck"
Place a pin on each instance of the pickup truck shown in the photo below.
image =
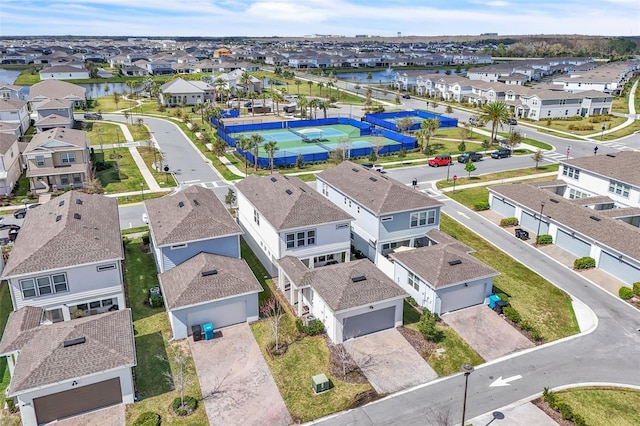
(375, 167)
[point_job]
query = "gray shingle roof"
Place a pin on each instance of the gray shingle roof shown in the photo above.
(85, 233)
(15, 332)
(11, 104)
(287, 202)
(6, 142)
(374, 191)
(432, 265)
(62, 138)
(43, 360)
(56, 89)
(184, 285)
(616, 234)
(623, 167)
(334, 284)
(193, 214)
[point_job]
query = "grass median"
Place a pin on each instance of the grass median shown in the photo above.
(604, 406)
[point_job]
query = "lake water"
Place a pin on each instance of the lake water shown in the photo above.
(9, 76)
(385, 76)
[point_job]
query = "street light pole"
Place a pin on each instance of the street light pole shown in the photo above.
(467, 369)
(539, 222)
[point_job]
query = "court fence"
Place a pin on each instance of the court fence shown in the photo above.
(382, 119)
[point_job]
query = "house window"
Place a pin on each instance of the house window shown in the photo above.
(77, 178)
(619, 188)
(301, 238)
(571, 172)
(178, 246)
(256, 216)
(60, 282)
(386, 219)
(64, 179)
(68, 157)
(44, 285)
(28, 288)
(54, 315)
(413, 281)
(422, 218)
(325, 189)
(39, 160)
(342, 226)
(103, 268)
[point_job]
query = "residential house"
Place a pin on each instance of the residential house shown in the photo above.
(48, 90)
(189, 222)
(11, 129)
(57, 159)
(54, 113)
(406, 80)
(67, 258)
(186, 93)
(542, 104)
(10, 91)
(283, 216)
(351, 299)
(443, 276)
(387, 213)
(64, 72)
(134, 71)
(14, 110)
(69, 368)
(209, 288)
(10, 165)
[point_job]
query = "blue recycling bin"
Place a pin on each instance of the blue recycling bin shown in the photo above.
(207, 329)
(492, 300)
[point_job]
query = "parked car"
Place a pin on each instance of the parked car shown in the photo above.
(513, 122)
(376, 167)
(474, 120)
(501, 153)
(21, 213)
(473, 156)
(406, 96)
(93, 116)
(440, 160)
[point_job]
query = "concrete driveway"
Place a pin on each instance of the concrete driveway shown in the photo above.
(110, 416)
(487, 333)
(389, 361)
(236, 383)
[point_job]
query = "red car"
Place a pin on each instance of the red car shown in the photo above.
(440, 160)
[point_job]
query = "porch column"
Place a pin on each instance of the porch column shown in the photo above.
(300, 303)
(347, 256)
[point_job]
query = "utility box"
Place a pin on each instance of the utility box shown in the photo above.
(320, 383)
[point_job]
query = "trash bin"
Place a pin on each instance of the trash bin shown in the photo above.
(196, 331)
(492, 300)
(499, 305)
(207, 329)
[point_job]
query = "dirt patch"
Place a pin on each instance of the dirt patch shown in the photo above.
(539, 402)
(526, 333)
(415, 339)
(365, 398)
(338, 357)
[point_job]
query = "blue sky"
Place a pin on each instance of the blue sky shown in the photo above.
(303, 17)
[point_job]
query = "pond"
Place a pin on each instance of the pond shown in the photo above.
(384, 76)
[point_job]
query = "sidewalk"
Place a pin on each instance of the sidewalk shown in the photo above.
(494, 182)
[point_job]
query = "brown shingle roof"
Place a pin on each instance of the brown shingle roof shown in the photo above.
(193, 214)
(184, 285)
(56, 89)
(43, 359)
(85, 233)
(15, 332)
(374, 191)
(6, 142)
(334, 284)
(623, 166)
(11, 104)
(616, 234)
(287, 202)
(60, 137)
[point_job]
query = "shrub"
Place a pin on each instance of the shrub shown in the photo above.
(526, 325)
(148, 418)
(544, 239)
(483, 205)
(412, 301)
(565, 411)
(314, 328)
(156, 301)
(427, 327)
(625, 293)
(584, 263)
(509, 221)
(503, 296)
(11, 405)
(145, 239)
(190, 402)
(636, 288)
(511, 314)
(580, 127)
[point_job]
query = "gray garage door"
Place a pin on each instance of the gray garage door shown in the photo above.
(619, 268)
(573, 245)
(503, 207)
(77, 400)
(460, 297)
(368, 323)
(531, 223)
(220, 316)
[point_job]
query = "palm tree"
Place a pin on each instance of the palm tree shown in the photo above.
(276, 97)
(320, 86)
(264, 96)
(200, 106)
(303, 103)
(219, 84)
(245, 81)
(428, 128)
(329, 86)
(252, 96)
(298, 83)
(256, 140)
(271, 147)
(310, 83)
(315, 104)
(324, 106)
(244, 144)
(498, 114)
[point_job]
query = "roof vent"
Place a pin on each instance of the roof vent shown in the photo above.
(596, 218)
(455, 262)
(61, 203)
(180, 204)
(355, 170)
(76, 216)
(373, 179)
(78, 201)
(74, 342)
(208, 273)
(274, 179)
(288, 191)
(358, 279)
(553, 200)
(611, 155)
(196, 202)
(58, 218)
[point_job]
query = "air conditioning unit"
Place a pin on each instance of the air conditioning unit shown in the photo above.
(320, 383)
(309, 319)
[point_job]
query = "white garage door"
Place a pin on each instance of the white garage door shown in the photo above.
(573, 244)
(619, 268)
(219, 315)
(460, 297)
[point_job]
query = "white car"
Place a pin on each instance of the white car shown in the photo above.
(145, 218)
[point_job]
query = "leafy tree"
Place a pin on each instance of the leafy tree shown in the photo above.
(428, 328)
(464, 131)
(274, 313)
(514, 139)
(271, 147)
(537, 157)
(373, 156)
(404, 124)
(462, 147)
(497, 113)
(230, 199)
(485, 145)
(218, 147)
(300, 161)
(337, 156)
(449, 109)
(116, 98)
(469, 167)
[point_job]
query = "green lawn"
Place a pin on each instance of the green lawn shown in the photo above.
(103, 133)
(5, 309)
(152, 332)
(165, 180)
(604, 407)
(138, 132)
(463, 180)
(542, 304)
(128, 178)
(258, 270)
(593, 127)
(107, 103)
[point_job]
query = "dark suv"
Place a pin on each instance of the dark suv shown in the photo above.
(501, 153)
(473, 156)
(93, 116)
(513, 122)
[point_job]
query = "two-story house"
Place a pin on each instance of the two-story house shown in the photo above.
(387, 213)
(10, 91)
(283, 216)
(10, 165)
(54, 113)
(189, 222)
(67, 258)
(47, 90)
(58, 158)
(15, 111)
